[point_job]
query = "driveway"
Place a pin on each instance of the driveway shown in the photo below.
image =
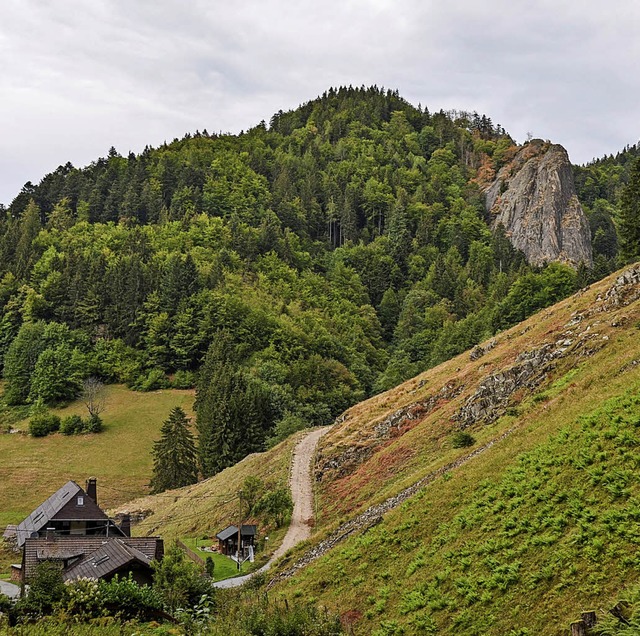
(9, 589)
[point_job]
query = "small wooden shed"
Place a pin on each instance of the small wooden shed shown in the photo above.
(228, 540)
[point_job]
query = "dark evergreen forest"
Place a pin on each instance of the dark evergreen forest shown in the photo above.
(287, 272)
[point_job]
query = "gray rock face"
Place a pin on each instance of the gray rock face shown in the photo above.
(534, 198)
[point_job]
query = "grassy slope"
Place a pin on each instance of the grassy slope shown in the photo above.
(536, 529)
(205, 508)
(31, 469)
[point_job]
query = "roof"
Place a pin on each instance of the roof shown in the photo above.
(62, 506)
(62, 548)
(228, 532)
(109, 558)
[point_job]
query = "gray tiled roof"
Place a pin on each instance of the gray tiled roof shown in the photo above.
(66, 547)
(247, 531)
(110, 557)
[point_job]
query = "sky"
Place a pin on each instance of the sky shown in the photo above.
(78, 76)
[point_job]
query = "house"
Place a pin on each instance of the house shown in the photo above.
(70, 528)
(71, 510)
(93, 557)
(228, 540)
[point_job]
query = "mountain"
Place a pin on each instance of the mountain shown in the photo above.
(515, 527)
(290, 271)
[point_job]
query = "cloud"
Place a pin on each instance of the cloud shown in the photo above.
(80, 76)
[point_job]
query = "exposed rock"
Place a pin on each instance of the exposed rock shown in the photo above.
(393, 425)
(534, 199)
(625, 289)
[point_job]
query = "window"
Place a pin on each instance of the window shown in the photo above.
(81, 501)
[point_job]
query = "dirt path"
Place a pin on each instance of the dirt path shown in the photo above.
(301, 485)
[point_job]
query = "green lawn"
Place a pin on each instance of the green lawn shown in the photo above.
(224, 566)
(31, 469)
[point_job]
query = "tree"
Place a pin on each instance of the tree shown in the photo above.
(57, 376)
(93, 396)
(251, 491)
(276, 504)
(174, 454)
(179, 581)
(630, 216)
(21, 360)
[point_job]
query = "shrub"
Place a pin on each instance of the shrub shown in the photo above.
(127, 600)
(462, 439)
(75, 425)
(46, 590)
(184, 380)
(93, 424)
(155, 379)
(72, 425)
(42, 425)
(89, 599)
(179, 581)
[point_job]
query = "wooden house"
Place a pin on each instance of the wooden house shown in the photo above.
(71, 510)
(228, 540)
(93, 557)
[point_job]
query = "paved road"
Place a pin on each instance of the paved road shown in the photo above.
(9, 589)
(302, 494)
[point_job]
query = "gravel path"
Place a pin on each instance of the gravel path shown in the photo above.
(9, 589)
(302, 494)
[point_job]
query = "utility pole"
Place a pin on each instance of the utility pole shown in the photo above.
(239, 527)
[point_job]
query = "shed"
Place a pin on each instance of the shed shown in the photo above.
(228, 540)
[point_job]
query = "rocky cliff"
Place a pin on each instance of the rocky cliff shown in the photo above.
(534, 198)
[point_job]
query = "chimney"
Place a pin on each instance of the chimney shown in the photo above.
(125, 524)
(50, 534)
(92, 489)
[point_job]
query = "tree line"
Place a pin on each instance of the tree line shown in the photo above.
(286, 272)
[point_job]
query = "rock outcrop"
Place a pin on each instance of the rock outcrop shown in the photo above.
(534, 198)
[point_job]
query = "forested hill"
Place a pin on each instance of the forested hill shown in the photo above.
(298, 267)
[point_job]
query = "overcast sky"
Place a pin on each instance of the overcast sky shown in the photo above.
(78, 76)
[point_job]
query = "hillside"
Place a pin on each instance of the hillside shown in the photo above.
(31, 469)
(517, 533)
(532, 524)
(290, 271)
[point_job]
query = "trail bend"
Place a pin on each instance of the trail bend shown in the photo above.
(301, 484)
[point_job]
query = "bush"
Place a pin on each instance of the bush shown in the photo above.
(75, 425)
(155, 379)
(462, 439)
(184, 380)
(179, 581)
(72, 425)
(288, 425)
(46, 590)
(127, 600)
(42, 425)
(93, 424)
(124, 598)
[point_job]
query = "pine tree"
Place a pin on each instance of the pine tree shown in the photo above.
(174, 454)
(630, 217)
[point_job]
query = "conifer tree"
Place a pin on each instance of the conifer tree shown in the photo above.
(174, 454)
(630, 217)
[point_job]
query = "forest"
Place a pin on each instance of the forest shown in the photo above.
(286, 272)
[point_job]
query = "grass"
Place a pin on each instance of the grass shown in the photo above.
(524, 537)
(207, 507)
(224, 566)
(31, 469)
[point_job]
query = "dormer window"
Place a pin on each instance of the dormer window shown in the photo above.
(81, 501)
